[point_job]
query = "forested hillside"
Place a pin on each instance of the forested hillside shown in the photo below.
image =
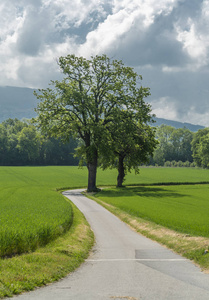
(175, 124)
(17, 103)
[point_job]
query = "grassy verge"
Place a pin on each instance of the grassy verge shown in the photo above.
(192, 247)
(48, 264)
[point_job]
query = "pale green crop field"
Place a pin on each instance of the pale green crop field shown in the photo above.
(32, 212)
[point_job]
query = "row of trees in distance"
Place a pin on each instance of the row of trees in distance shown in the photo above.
(174, 145)
(181, 147)
(21, 143)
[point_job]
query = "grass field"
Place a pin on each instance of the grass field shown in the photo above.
(183, 208)
(64, 176)
(32, 213)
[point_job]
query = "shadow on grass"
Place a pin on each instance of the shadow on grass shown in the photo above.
(148, 191)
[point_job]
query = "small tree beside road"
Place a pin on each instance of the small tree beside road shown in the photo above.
(131, 141)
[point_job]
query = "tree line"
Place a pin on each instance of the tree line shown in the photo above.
(181, 147)
(21, 143)
(174, 145)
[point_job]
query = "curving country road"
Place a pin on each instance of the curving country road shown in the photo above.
(124, 265)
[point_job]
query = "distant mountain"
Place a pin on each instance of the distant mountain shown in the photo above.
(176, 124)
(17, 103)
(20, 103)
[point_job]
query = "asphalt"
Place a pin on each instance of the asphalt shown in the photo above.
(124, 265)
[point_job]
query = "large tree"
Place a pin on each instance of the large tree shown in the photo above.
(86, 101)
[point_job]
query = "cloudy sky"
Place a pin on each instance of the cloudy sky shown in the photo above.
(166, 41)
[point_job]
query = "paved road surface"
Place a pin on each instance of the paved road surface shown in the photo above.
(124, 265)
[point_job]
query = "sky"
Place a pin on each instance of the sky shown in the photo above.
(165, 41)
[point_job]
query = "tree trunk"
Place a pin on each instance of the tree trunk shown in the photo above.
(121, 171)
(92, 172)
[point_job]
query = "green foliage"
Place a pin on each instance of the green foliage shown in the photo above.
(193, 164)
(29, 142)
(131, 141)
(182, 208)
(22, 144)
(83, 103)
(167, 164)
(200, 148)
(174, 145)
(179, 163)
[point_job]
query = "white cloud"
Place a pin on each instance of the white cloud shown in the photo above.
(42, 28)
(149, 9)
(194, 43)
(195, 38)
(11, 19)
(37, 31)
(168, 108)
(197, 118)
(130, 18)
(99, 40)
(164, 107)
(73, 13)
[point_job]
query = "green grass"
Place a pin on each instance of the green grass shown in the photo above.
(58, 177)
(152, 175)
(183, 208)
(32, 213)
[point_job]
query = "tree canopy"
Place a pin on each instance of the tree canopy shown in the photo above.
(89, 102)
(200, 148)
(131, 142)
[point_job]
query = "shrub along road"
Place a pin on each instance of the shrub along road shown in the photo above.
(124, 265)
